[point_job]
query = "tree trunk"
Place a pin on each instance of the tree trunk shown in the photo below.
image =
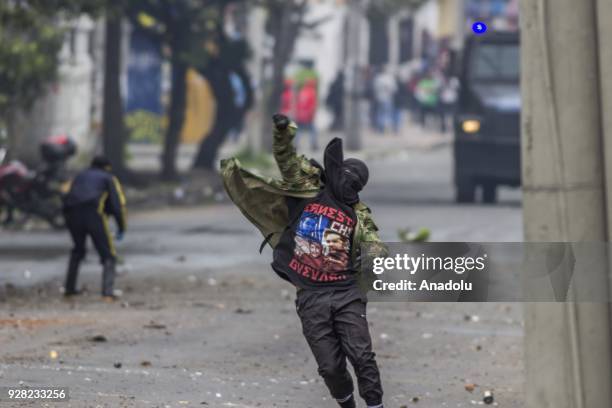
(285, 31)
(113, 131)
(354, 89)
(568, 346)
(178, 102)
(12, 136)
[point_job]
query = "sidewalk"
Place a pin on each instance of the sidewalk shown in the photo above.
(375, 145)
(411, 137)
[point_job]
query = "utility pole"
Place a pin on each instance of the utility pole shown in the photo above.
(354, 75)
(567, 176)
(460, 22)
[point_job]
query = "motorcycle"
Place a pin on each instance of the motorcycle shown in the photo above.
(37, 192)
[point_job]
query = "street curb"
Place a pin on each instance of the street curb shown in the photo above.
(392, 152)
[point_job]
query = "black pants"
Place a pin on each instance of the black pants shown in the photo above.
(335, 326)
(83, 221)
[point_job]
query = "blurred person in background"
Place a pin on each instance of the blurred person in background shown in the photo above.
(241, 103)
(317, 225)
(306, 71)
(306, 110)
(427, 94)
(94, 194)
(413, 102)
(287, 98)
(368, 94)
(448, 98)
(400, 103)
(335, 101)
(385, 87)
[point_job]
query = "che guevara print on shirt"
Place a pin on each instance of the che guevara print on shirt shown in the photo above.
(322, 242)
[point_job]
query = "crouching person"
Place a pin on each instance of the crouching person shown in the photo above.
(94, 194)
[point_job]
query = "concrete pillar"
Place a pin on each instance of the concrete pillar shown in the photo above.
(353, 108)
(460, 24)
(256, 34)
(567, 346)
(604, 14)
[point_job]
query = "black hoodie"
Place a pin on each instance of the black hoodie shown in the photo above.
(314, 251)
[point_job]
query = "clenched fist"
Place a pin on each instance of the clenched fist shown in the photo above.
(281, 122)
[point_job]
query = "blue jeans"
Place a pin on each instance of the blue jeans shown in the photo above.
(384, 116)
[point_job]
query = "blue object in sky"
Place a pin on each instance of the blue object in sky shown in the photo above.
(479, 27)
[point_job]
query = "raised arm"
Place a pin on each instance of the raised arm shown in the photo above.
(296, 170)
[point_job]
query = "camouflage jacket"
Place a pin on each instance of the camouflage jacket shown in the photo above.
(262, 199)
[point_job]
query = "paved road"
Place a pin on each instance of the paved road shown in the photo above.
(204, 322)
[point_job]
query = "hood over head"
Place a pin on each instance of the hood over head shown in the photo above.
(345, 178)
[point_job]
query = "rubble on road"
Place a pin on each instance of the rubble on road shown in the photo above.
(470, 387)
(99, 338)
(153, 325)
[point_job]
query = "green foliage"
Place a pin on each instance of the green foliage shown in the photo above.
(64, 8)
(406, 235)
(190, 31)
(30, 39)
(145, 127)
(29, 44)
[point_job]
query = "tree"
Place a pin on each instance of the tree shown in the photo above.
(113, 128)
(28, 60)
(182, 27)
(285, 21)
(30, 40)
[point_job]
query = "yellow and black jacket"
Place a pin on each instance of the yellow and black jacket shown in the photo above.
(99, 188)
